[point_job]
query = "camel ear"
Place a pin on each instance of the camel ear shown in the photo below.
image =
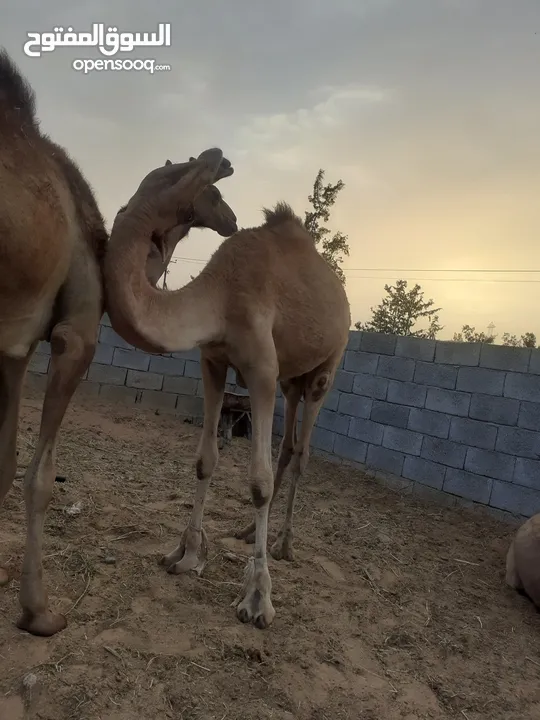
(184, 192)
(168, 162)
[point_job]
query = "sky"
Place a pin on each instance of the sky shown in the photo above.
(427, 110)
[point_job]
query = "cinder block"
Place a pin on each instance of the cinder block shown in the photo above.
(131, 359)
(200, 387)
(144, 380)
(448, 401)
(434, 495)
(424, 472)
(527, 472)
(473, 433)
(107, 374)
(467, 485)
(406, 393)
(354, 340)
(278, 427)
(499, 357)
(108, 336)
(103, 354)
(401, 440)
(499, 410)
(361, 362)
(457, 353)
(370, 386)
(180, 385)
(87, 389)
(343, 381)
(355, 405)
(323, 439)
(157, 400)
(429, 422)
(192, 369)
(190, 406)
(43, 348)
(388, 414)
(444, 452)
(279, 406)
(193, 354)
(39, 363)
(383, 458)
(515, 498)
(442, 376)
(396, 368)
(380, 343)
(534, 363)
(416, 348)
(331, 401)
(366, 430)
(35, 382)
(330, 420)
(515, 441)
(529, 416)
(350, 449)
(480, 380)
(394, 482)
(231, 375)
(522, 387)
(492, 464)
(105, 320)
(167, 366)
(118, 394)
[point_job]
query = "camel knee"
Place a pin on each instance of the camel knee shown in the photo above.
(320, 385)
(207, 460)
(262, 489)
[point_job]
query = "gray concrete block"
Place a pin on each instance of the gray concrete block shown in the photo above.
(189, 406)
(472, 432)
(144, 380)
(180, 385)
(366, 430)
(343, 381)
(354, 340)
(200, 387)
(401, 440)
(194, 354)
(516, 441)
(278, 426)
(515, 498)
(499, 357)
(429, 422)
(107, 374)
(350, 449)
(490, 463)
(527, 472)
(331, 401)
(389, 414)
(448, 401)
(108, 336)
(156, 400)
(39, 363)
(457, 353)
(105, 320)
(86, 389)
(416, 348)
(192, 369)
(395, 368)
(467, 485)
(323, 439)
(34, 383)
(118, 394)
(522, 387)
(394, 482)
(361, 362)
(131, 359)
(103, 354)
(330, 420)
(431, 494)
(167, 366)
(279, 405)
(529, 416)
(406, 393)
(499, 410)
(382, 458)
(355, 405)
(444, 452)
(534, 363)
(380, 343)
(231, 376)
(480, 380)
(43, 348)
(370, 386)
(424, 472)
(442, 376)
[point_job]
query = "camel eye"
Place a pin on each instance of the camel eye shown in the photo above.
(189, 216)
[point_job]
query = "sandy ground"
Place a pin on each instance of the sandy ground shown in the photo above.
(394, 609)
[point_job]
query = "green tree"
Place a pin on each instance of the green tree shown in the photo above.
(528, 340)
(469, 334)
(400, 310)
(332, 247)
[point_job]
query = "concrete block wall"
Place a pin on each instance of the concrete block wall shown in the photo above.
(458, 422)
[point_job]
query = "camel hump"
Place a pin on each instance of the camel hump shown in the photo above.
(17, 99)
(282, 212)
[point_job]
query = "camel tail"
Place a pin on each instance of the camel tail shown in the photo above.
(17, 99)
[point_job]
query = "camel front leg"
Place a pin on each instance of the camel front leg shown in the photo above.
(254, 603)
(12, 373)
(191, 552)
(72, 350)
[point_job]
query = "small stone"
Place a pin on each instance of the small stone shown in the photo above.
(109, 560)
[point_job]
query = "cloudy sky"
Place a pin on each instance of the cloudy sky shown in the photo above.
(428, 110)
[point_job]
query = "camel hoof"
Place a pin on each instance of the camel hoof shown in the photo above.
(4, 577)
(43, 625)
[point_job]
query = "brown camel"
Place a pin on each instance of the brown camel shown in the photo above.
(266, 304)
(52, 243)
(523, 560)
